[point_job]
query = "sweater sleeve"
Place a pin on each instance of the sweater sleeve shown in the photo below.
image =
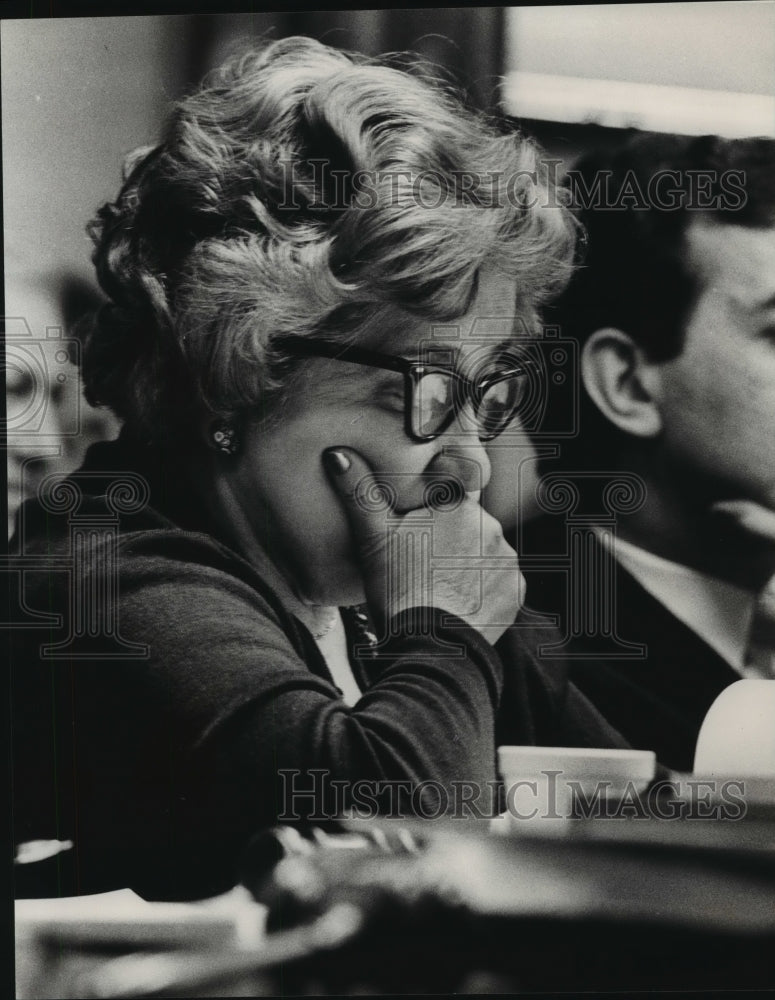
(540, 701)
(224, 729)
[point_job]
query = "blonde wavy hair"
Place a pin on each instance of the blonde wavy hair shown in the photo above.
(303, 190)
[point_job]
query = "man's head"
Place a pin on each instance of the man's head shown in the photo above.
(674, 305)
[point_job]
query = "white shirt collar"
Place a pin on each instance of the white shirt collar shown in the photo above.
(719, 612)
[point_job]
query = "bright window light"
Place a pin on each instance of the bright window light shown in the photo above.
(690, 68)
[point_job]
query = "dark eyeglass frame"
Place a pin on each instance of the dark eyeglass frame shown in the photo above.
(469, 390)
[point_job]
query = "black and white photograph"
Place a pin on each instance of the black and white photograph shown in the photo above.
(389, 592)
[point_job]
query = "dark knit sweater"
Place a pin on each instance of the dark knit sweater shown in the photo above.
(161, 765)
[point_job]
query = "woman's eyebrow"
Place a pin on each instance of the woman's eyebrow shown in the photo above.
(507, 344)
(450, 352)
(765, 305)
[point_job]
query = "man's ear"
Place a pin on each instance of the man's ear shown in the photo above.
(622, 382)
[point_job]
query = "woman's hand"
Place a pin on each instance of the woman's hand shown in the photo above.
(455, 559)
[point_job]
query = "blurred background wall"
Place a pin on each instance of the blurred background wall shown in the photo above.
(79, 93)
(577, 76)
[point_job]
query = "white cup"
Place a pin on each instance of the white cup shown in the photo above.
(737, 737)
(543, 783)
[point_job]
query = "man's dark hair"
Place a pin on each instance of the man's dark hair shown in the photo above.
(635, 204)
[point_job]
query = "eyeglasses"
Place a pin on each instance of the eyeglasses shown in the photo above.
(434, 394)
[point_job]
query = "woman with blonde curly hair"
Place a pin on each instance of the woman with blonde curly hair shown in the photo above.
(313, 281)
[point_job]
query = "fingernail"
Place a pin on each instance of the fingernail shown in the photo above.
(336, 461)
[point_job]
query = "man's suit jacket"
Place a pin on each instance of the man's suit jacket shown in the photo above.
(657, 700)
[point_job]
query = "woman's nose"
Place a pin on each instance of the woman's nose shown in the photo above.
(464, 458)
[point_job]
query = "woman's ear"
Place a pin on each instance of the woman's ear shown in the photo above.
(622, 382)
